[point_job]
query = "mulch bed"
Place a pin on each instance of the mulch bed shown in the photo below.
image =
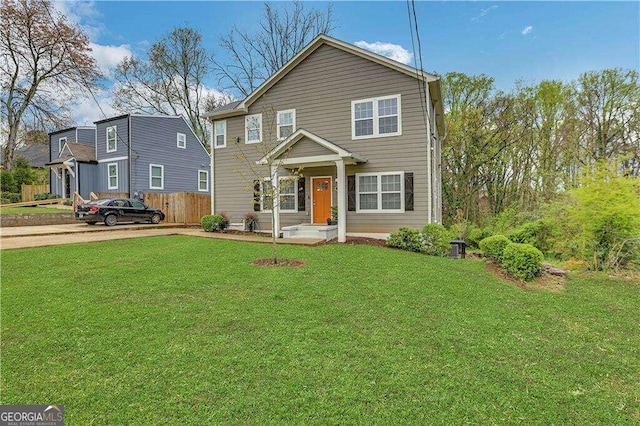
(363, 241)
(545, 281)
(294, 263)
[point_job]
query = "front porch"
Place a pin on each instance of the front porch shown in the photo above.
(307, 230)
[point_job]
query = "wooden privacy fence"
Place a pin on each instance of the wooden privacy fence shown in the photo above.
(180, 207)
(28, 192)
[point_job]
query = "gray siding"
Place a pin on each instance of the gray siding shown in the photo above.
(321, 89)
(154, 141)
(122, 127)
(307, 148)
(86, 136)
(87, 179)
(102, 184)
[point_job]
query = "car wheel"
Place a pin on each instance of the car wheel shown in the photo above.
(110, 220)
(91, 223)
(156, 218)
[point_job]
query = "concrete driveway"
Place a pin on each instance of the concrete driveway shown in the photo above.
(53, 235)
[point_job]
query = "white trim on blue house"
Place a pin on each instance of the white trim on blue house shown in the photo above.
(151, 177)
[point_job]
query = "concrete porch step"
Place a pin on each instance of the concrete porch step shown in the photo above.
(305, 230)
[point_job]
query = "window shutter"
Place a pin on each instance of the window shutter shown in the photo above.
(351, 193)
(256, 195)
(408, 192)
(302, 198)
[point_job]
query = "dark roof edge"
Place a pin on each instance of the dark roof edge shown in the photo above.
(117, 117)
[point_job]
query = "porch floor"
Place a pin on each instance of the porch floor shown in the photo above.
(309, 230)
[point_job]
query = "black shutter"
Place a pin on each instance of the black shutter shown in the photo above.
(302, 197)
(256, 195)
(408, 192)
(351, 193)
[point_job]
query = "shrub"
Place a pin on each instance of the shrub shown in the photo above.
(494, 246)
(8, 182)
(44, 196)
(476, 235)
(406, 238)
(539, 234)
(436, 239)
(523, 261)
(10, 197)
(213, 222)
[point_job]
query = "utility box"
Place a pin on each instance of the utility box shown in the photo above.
(458, 249)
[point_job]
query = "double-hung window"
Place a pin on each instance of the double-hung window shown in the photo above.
(253, 128)
(156, 176)
(182, 140)
(286, 123)
(288, 195)
(112, 170)
(380, 192)
(112, 139)
(203, 180)
(220, 134)
(61, 143)
(376, 117)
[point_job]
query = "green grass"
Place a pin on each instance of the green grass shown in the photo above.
(33, 210)
(183, 330)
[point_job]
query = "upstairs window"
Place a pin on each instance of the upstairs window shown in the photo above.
(220, 134)
(286, 123)
(112, 139)
(61, 143)
(156, 176)
(253, 128)
(182, 140)
(376, 117)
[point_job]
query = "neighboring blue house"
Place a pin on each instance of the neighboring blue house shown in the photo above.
(73, 167)
(132, 154)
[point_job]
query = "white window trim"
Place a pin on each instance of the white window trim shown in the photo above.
(184, 141)
(293, 115)
(379, 209)
(215, 134)
(295, 194)
(206, 181)
(61, 143)
(109, 176)
(246, 129)
(115, 132)
(151, 166)
(376, 118)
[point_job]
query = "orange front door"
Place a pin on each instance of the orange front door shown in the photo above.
(321, 188)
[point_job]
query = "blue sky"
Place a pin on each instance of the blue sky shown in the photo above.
(510, 41)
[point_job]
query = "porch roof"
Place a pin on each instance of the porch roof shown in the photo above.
(82, 153)
(336, 152)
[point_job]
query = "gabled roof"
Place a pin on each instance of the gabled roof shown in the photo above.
(81, 152)
(284, 147)
(36, 154)
(242, 107)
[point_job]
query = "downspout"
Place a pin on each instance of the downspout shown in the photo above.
(429, 171)
(212, 178)
(129, 152)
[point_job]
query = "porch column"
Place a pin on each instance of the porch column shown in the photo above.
(275, 184)
(342, 201)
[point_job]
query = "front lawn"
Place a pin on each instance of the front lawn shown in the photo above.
(184, 330)
(33, 210)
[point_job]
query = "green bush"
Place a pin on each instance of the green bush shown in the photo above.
(224, 223)
(476, 235)
(213, 223)
(44, 196)
(406, 238)
(436, 239)
(539, 234)
(10, 197)
(8, 182)
(523, 261)
(494, 245)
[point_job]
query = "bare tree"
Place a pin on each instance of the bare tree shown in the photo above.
(170, 81)
(45, 64)
(264, 177)
(281, 34)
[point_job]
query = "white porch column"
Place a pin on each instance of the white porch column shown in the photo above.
(342, 202)
(275, 184)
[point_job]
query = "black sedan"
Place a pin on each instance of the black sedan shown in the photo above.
(114, 210)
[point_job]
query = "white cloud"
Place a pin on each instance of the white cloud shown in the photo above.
(83, 13)
(392, 51)
(86, 111)
(107, 57)
(527, 30)
(484, 12)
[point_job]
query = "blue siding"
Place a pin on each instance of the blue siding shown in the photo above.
(87, 136)
(102, 178)
(154, 141)
(122, 128)
(87, 179)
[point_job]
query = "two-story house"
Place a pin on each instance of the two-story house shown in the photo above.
(130, 154)
(338, 126)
